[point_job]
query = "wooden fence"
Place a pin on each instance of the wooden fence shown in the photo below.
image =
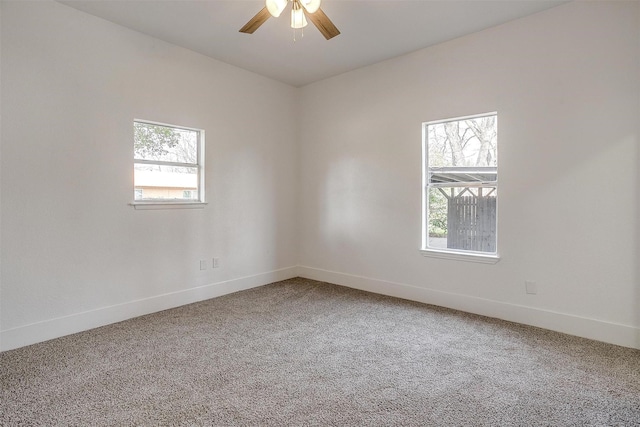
(471, 223)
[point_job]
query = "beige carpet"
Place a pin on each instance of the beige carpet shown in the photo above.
(301, 352)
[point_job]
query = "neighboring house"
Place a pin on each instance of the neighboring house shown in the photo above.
(165, 185)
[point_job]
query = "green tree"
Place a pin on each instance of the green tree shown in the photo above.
(153, 142)
(437, 214)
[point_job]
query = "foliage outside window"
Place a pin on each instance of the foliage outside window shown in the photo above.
(461, 184)
(168, 165)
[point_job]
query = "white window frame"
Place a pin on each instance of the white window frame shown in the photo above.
(172, 203)
(451, 254)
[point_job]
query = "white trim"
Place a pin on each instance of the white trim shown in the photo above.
(168, 125)
(613, 333)
(483, 258)
(163, 163)
(167, 205)
(201, 167)
(78, 322)
(458, 119)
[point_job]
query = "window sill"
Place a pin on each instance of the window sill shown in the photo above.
(168, 205)
(462, 256)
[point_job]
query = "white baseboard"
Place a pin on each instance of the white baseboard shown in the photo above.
(613, 333)
(627, 336)
(61, 326)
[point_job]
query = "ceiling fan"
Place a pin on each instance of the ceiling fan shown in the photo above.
(301, 10)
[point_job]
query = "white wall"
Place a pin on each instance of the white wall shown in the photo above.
(565, 84)
(74, 254)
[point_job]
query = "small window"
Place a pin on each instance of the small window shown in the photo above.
(460, 178)
(168, 163)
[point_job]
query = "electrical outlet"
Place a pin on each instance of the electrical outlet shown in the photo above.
(203, 264)
(216, 262)
(531, 287)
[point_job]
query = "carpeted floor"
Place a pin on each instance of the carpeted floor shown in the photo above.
(301, 352)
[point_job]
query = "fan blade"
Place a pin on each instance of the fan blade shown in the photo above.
(323, 23)
(255, 22)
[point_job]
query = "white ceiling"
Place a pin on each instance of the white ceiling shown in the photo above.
(372, 31)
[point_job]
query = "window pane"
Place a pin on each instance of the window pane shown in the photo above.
(159, 182)
(466, 143)
(164, 143)
(462, 218)
(461, 176)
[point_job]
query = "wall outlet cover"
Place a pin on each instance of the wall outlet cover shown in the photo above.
(531, 287)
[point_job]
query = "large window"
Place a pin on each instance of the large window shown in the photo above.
(460, 179)
(168, 164)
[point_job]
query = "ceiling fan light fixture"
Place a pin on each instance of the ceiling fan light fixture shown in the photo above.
(311, 5)
(301, 10)
(275, 7)
(297, 18)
